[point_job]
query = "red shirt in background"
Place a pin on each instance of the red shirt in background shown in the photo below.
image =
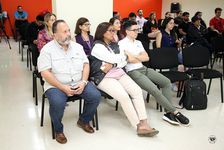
(218, 24)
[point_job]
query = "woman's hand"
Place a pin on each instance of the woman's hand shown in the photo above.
(106, 67)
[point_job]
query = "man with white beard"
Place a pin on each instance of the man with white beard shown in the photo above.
(65, 69)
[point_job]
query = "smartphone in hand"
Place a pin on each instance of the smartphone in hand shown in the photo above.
(74, 86)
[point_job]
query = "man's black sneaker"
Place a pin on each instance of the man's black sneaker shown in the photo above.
(169, 117)
(182, 119)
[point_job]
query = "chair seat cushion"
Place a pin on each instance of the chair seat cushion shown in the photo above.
(175, 76)
(73, 98)
(207, 73)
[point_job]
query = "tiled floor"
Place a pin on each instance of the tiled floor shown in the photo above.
(20, 119)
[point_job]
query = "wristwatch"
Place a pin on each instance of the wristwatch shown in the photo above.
(84, 81)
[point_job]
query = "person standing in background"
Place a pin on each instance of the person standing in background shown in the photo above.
(140, 20)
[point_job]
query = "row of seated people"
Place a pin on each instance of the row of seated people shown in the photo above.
(186, 32)
(65, 68)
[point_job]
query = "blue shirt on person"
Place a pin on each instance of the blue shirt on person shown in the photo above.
(20, 15)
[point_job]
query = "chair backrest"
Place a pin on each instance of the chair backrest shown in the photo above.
(195, 56)
(218, 44)
(163, 58)
(144, 39)
(23, 30)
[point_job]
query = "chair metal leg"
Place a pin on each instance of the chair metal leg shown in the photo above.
(116, 107)
(30, 61)
(161, 109)
(223, 64)
(19, 46)
(52, 129)
(147, 97)
(179, 88)
(36, 95)
(209, 86)
(22, 52)
(27, 58)
(34, 85)
(80, 107)
(96, 118)
(93, 122)
(42, 111)
(221, 84)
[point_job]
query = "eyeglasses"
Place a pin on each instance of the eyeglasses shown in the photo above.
(117, 23)
(87, 24)
(135, 30)
(111, 31)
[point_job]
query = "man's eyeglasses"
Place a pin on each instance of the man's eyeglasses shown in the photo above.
(111, 30)
(135, 30)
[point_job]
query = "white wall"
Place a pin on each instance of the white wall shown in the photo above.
(96, 11)
(207, 7)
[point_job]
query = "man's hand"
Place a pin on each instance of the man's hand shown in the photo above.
(67, 89)
(78, 89)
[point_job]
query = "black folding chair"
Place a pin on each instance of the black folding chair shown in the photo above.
(165, 59)
(195, 57)
(70, 99)
(218, 46)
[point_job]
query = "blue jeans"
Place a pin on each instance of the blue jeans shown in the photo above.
(180, 58)
(57, 101)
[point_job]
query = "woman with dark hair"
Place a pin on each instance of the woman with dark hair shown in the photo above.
(168, 38)
(83, 37)
(199, 15)
(111, 78)
(117, 29)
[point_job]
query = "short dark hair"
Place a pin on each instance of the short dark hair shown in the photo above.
(101, 29)
(55, 24)
(129, 23)
(115, 13)
(194, 19)
(79, 22)
(39, 18)
(218, 9)
(185, 14)
(131, 14)
(167, 13)
(19, 6)
(139, 10)
(197, 13)
(112, 20)
(165, 22)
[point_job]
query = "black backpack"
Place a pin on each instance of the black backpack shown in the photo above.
(194, 96)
